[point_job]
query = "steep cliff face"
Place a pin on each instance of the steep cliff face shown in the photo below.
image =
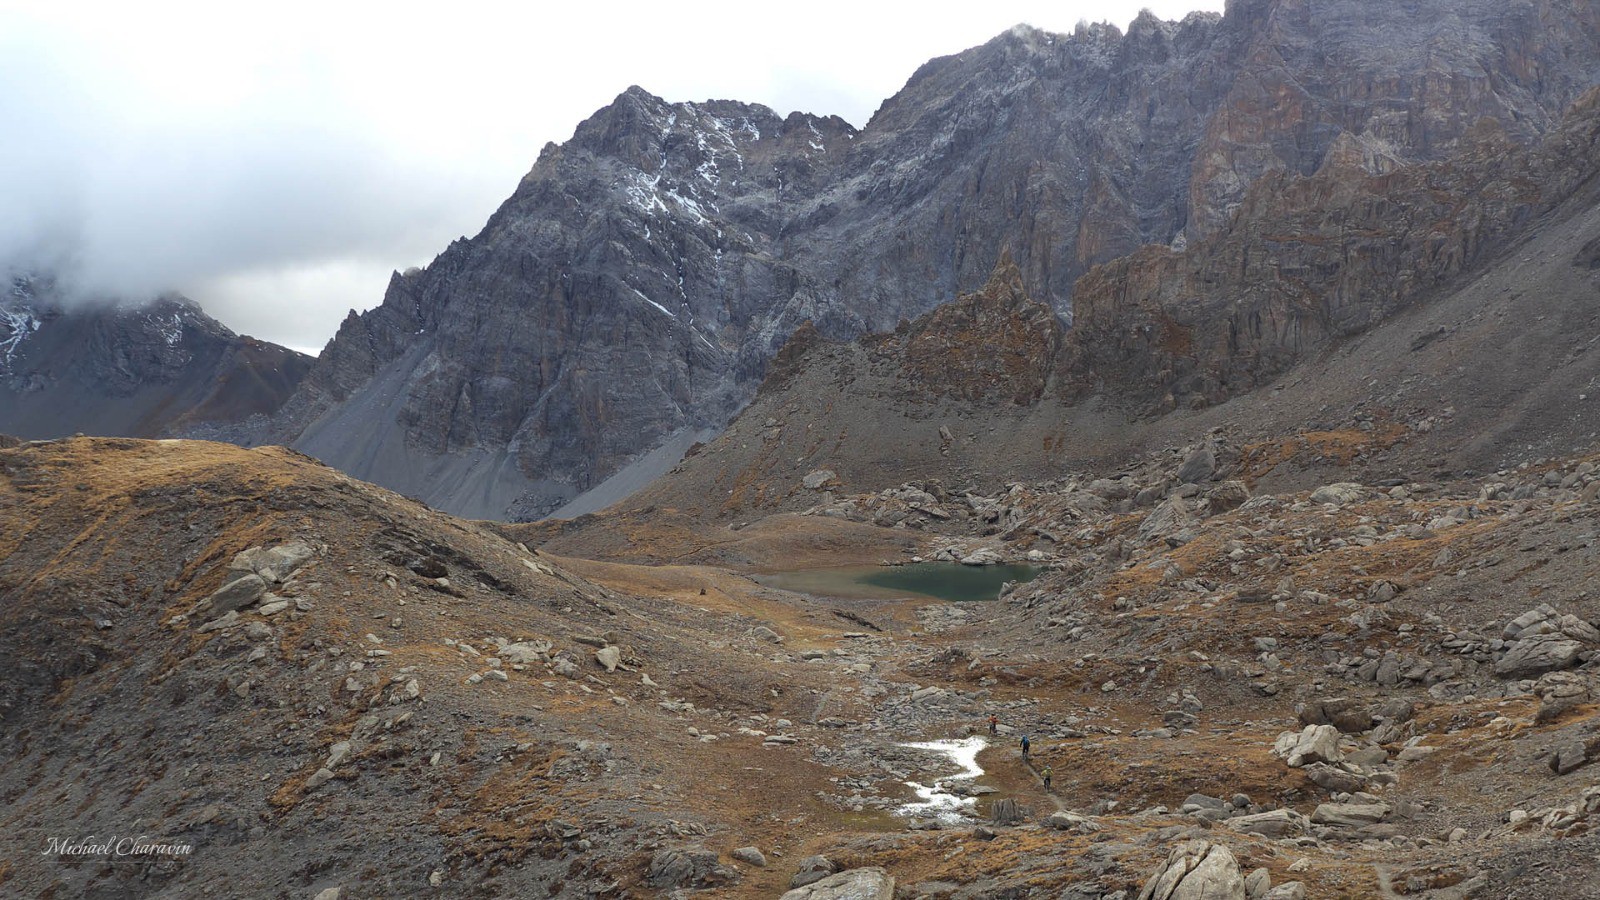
(1437, 315)
(632, 286)
(1307, 261)
(643, 273)
(156, 369)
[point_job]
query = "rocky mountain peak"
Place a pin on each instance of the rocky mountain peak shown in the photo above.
(642, 275)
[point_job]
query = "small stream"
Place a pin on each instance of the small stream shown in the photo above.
(934, 800)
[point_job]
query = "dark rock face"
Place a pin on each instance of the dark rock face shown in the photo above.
(1306, 261)
(158, 369)
(1441, 297)
(993, 346)
(643, 273)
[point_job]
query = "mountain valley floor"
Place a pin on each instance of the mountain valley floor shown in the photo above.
(316, 684)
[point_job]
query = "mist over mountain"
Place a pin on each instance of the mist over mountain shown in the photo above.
(150, 367)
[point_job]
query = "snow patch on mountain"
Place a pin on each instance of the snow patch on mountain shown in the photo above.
(16, 324)
(170, 327)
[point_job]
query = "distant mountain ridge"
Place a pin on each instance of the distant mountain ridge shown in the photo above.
(161, 368)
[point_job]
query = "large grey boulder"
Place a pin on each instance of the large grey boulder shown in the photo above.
(1537, 654)
(1169, 520)
(1317, 743)
(1198, 466)
(1066, 820)
(1112, 489)
(1343, 713)
(1334, 779)
(852, 884)
(685, 866)
(1546, 619)
(819, 479)
(1579, 630)
(1573, 755)
(236, 594)
(1338, 494)
(1528, 621)
(983, 556)
(525, 653)
(1349, 815)
(1257, 883)
(1196, 870)
(812, 869)
(273, 564)
(1559, 693)
(1275, 823)
(1226, 496)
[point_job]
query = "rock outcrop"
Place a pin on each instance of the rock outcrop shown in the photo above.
(852, 884)
(1317, 743)
(1196, 870)
(1311, 258)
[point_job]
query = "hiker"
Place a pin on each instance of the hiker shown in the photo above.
(1025, 745)
(1046, 774)
(994, 724)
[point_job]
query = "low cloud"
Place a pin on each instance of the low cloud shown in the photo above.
(246, 202)
(307, 302)
(275, 162)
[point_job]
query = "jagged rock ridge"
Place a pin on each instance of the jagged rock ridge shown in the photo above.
(642, 274)
(1447, 305)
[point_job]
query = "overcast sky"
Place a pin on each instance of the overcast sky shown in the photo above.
(276, 161)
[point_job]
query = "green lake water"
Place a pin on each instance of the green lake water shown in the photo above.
(938, 580)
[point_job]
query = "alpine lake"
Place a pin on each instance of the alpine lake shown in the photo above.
(936, 580)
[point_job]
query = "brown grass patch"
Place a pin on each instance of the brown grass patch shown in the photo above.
(1341, 447)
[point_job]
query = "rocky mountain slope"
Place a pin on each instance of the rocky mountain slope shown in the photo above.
(1444, 309)
(312, 683)
(1362, 690)
(140, 370)
(641, 275)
